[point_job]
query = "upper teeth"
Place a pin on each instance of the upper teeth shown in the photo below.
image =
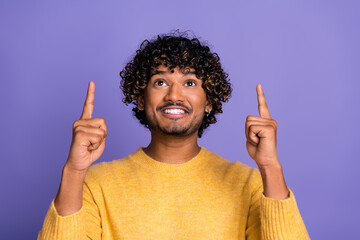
(174, 111)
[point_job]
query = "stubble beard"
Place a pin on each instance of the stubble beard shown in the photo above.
(175, 129)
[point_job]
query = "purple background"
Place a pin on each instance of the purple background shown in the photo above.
(305, 53)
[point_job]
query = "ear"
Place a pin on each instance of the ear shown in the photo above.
(208, 106)
(140, 103)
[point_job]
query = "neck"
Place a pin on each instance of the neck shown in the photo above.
(172, 149)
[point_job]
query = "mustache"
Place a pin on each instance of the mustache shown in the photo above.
(168, 104)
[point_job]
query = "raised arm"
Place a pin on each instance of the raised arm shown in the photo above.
(273, 214)
(88, 143)
(261, 145)
(66, 218)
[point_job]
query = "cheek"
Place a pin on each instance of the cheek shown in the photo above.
(198, 100)
(151, 101)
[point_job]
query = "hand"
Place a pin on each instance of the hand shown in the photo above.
(89, 135)
(261, 135)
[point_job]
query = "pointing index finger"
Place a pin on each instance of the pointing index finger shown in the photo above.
(89, 102)
(263, 108)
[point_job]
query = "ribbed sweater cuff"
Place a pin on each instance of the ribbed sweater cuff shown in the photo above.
(281, 219)
(62, 227)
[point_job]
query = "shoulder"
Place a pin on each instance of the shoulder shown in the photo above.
(219, 161)
(235, 171)
(105, 171)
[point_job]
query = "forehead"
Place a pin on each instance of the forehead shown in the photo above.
(163, 70)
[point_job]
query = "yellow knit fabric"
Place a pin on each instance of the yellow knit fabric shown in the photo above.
(207, 197)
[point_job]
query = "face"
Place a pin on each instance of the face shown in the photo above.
(174, 103)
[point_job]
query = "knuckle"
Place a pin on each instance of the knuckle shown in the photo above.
(103, 132)
(75, 124)
(76, 129)
(100, 121)
(271, 127)
(274, 123)
(79, 128)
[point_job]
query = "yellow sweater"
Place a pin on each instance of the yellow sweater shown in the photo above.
(207, 197)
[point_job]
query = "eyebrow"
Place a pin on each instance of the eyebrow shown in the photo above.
(166, 73)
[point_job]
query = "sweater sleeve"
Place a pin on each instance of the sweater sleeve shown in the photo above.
(83, 224)
(274, 219)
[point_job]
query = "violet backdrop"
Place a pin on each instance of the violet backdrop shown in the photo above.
(305, 53)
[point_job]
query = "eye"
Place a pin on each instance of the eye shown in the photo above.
(159, 82)
(190, 83)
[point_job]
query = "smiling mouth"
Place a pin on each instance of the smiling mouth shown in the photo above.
(174, 111)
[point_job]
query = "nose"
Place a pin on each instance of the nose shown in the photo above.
(174, 93)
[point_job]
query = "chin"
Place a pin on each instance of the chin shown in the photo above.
(175, 130)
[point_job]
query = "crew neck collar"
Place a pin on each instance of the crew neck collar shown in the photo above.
(141, 158)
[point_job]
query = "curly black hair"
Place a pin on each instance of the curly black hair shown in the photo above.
(176, 50)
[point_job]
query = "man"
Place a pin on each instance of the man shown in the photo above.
(173, 188)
